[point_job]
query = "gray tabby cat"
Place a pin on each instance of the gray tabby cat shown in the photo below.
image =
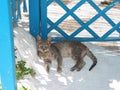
(77, 51)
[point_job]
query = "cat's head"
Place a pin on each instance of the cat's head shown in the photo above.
(43, 46)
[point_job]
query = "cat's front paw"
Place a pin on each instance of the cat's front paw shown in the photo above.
(59, 69)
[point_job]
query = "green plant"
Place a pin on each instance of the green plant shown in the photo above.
(21, 70)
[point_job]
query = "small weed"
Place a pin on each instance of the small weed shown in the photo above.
(21, 70)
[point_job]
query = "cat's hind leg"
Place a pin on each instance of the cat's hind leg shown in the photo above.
(82, 64)
(78, 62)
(59, 62)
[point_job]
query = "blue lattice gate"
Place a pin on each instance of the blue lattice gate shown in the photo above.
(52, 23)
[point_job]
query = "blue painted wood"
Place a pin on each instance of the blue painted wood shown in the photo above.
(70, 12)
(34, 17)
(75, 17)
(58, 29)
(13, 6)
(7, 61)
(104, 15)
(85, 39)
(43, 19)
(19, 10)
(66, 15)
(111, 31)
(24, 6)
(100, 13)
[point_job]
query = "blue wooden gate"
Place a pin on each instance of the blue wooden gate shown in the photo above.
(45, 25)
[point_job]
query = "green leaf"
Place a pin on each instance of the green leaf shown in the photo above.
(21, 70)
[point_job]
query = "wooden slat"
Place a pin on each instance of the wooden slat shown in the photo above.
(7, 60)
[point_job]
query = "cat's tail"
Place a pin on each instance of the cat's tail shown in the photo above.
(93, 58)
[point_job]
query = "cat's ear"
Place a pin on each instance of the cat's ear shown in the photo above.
(49, 39)
(39, 39)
